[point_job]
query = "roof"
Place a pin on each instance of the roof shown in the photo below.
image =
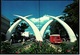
(55, 35)
(5, 17)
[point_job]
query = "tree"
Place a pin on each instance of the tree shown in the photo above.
(23, 26)
(20, 28)
(47, 36)
(71, 17)
(15, 20)
(54, 28)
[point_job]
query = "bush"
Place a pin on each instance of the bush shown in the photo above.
(39, 48)
(6, 48)
(70, 48)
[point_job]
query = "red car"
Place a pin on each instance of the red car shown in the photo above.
(55, 38)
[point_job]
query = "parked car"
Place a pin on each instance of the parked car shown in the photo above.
(55, 38)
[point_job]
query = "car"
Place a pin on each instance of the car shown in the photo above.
(55, 38)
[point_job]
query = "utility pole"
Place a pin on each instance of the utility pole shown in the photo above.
(39, 15)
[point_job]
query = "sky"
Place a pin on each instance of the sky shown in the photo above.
(38, 10)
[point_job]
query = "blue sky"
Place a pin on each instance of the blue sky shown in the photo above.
(55, 8)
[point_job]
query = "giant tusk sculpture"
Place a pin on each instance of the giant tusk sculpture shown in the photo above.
(67, 28)
(11, 29)
(39, 34)
(34, 28)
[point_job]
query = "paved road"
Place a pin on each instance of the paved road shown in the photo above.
(26, 45)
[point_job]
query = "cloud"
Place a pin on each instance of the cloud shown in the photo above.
(34, 20)
(41, 19)
(44, 18)
(38, 25)
(39, 22)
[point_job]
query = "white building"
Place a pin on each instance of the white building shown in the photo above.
(26, 34)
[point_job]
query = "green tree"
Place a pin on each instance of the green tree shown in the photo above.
(20, 28)
(71, 17)
(54, 28)
(47, 35)
(23, 26)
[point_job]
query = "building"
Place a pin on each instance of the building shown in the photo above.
(26, 34)
(5, 24)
